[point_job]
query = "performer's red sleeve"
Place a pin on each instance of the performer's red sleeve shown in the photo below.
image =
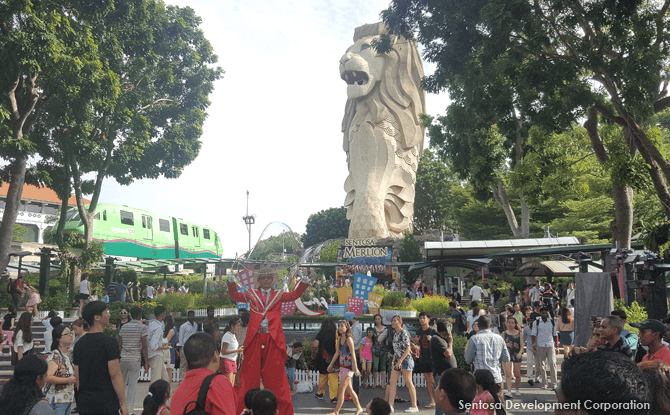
(295, 294)
(234, 294)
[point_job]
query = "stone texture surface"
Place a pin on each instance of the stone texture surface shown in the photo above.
(383, 136)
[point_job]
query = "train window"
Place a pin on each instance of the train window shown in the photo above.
(183, 229)
(127, 218)
(49, 209)
(195, 231)
(104, 215)
(34, 207)
(70, 213)
(146, 221)
(205, 233)
(149, 222)
(75, 218)
(97, 216)
(163, 225)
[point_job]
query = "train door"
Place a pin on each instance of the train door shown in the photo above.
(196, 236)
(147, 227)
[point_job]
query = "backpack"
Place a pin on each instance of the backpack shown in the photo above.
(10, 286)
(202, 398)
(461, 322)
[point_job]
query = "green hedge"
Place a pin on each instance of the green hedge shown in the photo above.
(459, 351)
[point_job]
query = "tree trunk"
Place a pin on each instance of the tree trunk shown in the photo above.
(58, 236)
(623, 216)
(18, 176)
(500, 196)
(525, 217)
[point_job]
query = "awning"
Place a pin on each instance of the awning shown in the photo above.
(478, 249)
(473, 264)
(554, 268)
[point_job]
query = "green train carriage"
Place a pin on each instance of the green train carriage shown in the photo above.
(131, 232)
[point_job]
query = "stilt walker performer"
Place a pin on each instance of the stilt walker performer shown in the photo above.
(265, 346)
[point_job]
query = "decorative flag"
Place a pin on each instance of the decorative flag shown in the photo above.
(374, 302)
(356, 305)
(343, 294)
(241, 306)
(288, 309)
(338, 271)
(246, 278)
(363, 285)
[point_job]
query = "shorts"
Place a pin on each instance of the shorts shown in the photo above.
(422, 365)
(9, 336)
(81, 296)
(364, 360)
(344, 372)
(408, 364)
(565, 338)
(227, 366)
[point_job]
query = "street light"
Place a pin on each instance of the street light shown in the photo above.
(249, 220)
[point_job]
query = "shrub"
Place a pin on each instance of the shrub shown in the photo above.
(634, 314)
(176, 303)
(432, 304)
(395, 300)
(459, 351)
(60, 301)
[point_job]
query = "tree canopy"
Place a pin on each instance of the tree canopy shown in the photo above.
(327, 224)
(548, 63)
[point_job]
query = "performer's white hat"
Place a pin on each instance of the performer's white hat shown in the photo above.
(266, 271)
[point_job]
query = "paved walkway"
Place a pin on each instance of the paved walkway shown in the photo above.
(307, 404)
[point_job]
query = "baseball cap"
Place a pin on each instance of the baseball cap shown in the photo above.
(652, 324)
(348, 316)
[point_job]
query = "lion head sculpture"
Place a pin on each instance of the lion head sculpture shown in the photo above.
(383, 135)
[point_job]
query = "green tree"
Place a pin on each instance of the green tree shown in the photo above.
(551, 53)
(410, 251)
(19, 233)
(151, 126)
(329, 254)
(45, 49)
(327, 224)
(432, 204)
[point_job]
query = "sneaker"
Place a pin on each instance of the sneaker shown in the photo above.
(392, 410)
(518, 393)
(347, 398)
(544, 386)
(531, 382)
(412, 410)
(508, 395)
(319, 396)
(334, 400)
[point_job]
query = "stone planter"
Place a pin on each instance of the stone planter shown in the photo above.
(401, 313)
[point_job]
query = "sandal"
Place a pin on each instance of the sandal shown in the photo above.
(430, 406)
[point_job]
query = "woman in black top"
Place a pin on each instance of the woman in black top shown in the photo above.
(323, 350)
(24, 390)
(7, 332)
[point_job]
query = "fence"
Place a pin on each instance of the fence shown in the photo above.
(217, 312)
(42, 314)
(301, 376)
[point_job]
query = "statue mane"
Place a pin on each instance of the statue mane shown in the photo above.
(399, 91)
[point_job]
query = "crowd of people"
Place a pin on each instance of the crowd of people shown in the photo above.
(86, 368)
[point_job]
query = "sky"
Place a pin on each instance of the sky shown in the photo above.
(274, 125)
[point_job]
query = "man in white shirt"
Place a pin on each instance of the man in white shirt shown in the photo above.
(476, 292)
(155, 343)
(186, 330)
(536, 292)
(150, 292)
(183, 289)
(544, 331)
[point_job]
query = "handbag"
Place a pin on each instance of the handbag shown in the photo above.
(414, 349)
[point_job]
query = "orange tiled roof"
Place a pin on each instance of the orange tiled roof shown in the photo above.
(43, 194)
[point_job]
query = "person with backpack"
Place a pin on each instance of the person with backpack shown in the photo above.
(202, 354)
(543, 334)
(459, 320)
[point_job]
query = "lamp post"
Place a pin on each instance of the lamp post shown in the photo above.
(249, 220)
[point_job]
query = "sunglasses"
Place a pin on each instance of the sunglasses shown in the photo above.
(124, 314)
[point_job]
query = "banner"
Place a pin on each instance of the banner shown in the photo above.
(288, 309)
(356, 305)
(363, 285)
(374, 302)
(246, 278)
(343, 295)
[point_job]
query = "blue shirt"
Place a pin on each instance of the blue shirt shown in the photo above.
(487, 349)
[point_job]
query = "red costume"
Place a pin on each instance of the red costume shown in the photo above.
(265, 353)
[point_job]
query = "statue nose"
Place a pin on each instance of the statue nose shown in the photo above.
(345, 58)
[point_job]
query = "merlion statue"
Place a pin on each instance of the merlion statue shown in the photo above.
(383, 135)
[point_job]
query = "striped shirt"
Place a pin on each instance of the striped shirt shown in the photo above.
(487, 349)
(131, 340)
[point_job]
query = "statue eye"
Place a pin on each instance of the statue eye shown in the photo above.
(365, 46)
